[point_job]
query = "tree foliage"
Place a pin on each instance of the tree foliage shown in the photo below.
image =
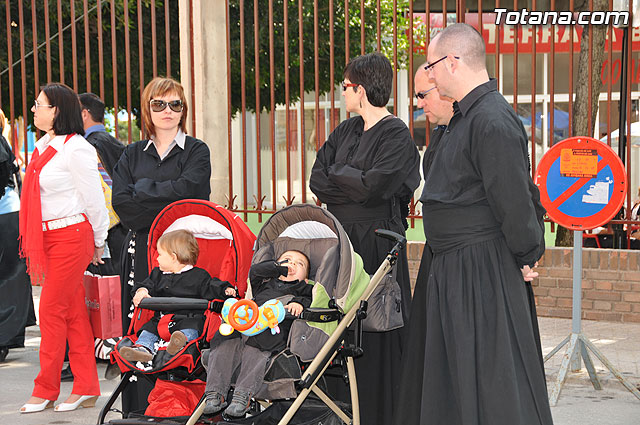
(308, 58)
(120, 76)
(387, 12)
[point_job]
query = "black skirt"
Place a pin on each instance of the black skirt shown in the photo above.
(16, 303)
(481, 361)
(378, 370)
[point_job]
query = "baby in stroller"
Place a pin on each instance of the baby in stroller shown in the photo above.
(285, 279)
(176, 276)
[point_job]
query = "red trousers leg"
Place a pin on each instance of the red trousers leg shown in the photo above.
(63, 313)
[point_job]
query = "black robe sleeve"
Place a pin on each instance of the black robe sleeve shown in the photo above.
(395, 162)
(150, 284)
(319, 183)
(132, 212)
(268, 269)
(500, 156)
(213, 288)
(157, 194)
(304, 295)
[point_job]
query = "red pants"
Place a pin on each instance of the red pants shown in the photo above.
(63, 313)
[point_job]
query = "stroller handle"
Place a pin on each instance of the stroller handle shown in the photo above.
(173, 304)
(392, 236)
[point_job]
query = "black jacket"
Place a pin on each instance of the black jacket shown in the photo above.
(265, 285)
(143, 184)
(108, 147)
(194, 283)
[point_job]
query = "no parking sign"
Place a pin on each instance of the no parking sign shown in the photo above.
(582, 183)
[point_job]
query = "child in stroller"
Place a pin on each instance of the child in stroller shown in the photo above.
(176, 276)
(285, 279)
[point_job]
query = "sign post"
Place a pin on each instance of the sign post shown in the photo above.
(582, 186)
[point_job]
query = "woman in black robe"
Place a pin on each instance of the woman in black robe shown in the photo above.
(150, 175)
(16, 303)
(366, 173)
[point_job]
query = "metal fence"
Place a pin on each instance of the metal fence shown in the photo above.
(285, 61)
(110, 47)
(282, 116)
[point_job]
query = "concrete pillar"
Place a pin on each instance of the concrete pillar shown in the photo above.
(209, 37)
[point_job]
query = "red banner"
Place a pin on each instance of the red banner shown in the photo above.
(506, 36)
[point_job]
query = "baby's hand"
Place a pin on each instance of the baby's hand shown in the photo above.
(140, 294)
(231, 292)
(294, 308)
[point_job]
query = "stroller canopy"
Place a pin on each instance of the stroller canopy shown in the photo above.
(224, 239)
(334, 267)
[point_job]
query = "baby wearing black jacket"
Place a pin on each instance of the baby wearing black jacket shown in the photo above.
(269, 279)
(176, 276)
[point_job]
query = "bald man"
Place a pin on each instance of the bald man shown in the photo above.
(483, 223)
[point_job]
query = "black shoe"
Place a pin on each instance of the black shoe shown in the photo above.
(112, 371)
(66, 375)
(4, 350)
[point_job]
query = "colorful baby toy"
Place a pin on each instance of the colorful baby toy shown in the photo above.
(247, 318)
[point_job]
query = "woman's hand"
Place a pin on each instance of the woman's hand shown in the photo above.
(231, 292)
(139, 295)
(294, 308)
(97, 255)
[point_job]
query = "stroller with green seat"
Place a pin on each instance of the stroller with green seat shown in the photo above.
(340, 295)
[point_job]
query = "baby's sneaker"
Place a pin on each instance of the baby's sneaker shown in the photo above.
(240, 404)
(215, 403)
(176, 343)
(137, 353)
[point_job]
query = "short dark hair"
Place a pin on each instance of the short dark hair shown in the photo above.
(68, 119)
(373, 72)
(464, 41)
(94, 105)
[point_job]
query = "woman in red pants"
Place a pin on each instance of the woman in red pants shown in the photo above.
(63, 226)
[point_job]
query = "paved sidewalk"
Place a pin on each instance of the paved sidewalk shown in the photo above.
(579, 403)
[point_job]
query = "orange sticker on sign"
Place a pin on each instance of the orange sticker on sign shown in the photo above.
(579, 163)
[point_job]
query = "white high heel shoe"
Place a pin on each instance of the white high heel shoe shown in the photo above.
(39, 407)
(84, 401)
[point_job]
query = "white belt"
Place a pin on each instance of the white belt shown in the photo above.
(63, 222)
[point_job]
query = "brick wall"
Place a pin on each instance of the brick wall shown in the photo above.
(610, 282)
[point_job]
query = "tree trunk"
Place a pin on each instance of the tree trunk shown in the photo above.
(580, 118)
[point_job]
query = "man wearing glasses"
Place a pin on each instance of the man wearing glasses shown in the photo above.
(438, 111)
(482, 361)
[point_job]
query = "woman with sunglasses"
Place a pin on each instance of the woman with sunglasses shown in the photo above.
(62, 211)
(366, 173)
(151, 174)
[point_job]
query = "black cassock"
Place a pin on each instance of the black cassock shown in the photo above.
(143, 184)
(367, 178)
(16, 302)
(483, 222)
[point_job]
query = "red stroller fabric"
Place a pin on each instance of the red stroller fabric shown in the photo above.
(227, 257)
(169, 398)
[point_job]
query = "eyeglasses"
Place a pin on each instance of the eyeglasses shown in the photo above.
(345, 85)
(422, 94)
(160, 105)
(431, 65)
(37, 105)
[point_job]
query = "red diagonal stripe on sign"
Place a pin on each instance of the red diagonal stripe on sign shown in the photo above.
(575, 187)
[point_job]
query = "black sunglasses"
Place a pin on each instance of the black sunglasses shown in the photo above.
(422, 94)
(160, 105)
(431, 65)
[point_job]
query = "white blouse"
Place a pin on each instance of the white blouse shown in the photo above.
(70, 184)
